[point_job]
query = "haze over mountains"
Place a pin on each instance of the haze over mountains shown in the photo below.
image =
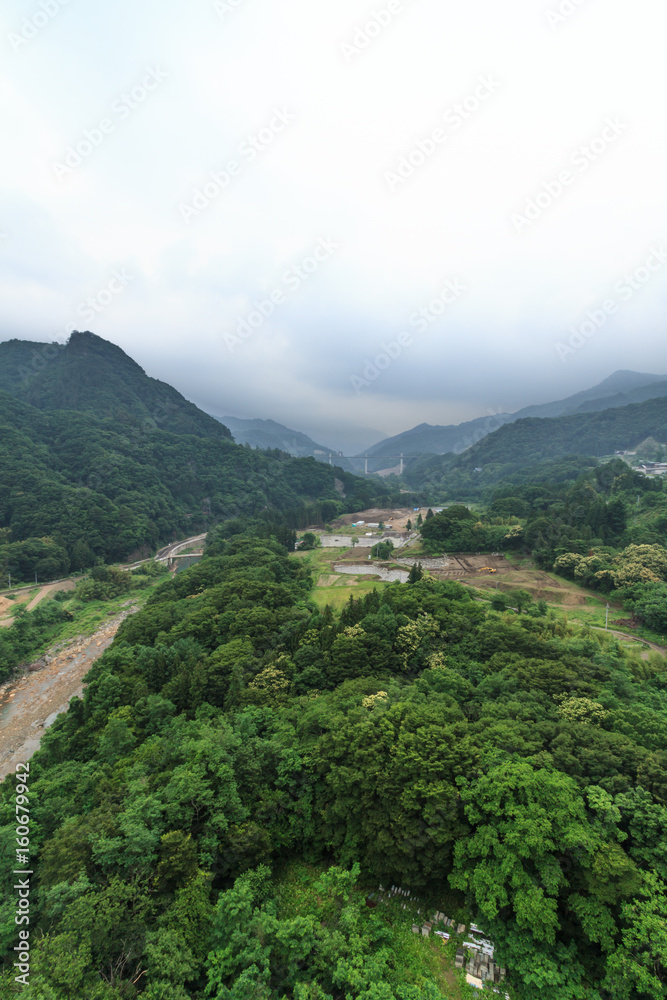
(620, 389)
(623, 388)
(89, 374)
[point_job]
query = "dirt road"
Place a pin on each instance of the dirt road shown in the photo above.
(30, 704)
(47, 589)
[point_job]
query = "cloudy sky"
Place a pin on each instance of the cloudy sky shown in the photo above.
(349, 217)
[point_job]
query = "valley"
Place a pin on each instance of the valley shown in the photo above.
(253, 688)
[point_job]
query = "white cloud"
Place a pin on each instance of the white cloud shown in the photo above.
(325, 175)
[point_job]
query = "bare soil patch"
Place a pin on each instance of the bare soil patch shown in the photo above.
(29, 704)
(395, 517)
(48, 589)
(359, 552)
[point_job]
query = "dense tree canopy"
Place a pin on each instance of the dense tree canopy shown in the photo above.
(234, 730)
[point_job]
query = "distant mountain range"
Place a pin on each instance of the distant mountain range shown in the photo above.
(89, 374)
(620, 389)
(268, 434)
(526, 443)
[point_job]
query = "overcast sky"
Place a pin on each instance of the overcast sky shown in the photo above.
(340, 215)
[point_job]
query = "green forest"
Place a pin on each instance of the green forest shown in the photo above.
(244, 769)
(518, 449)
(102, 463)
(78, 488)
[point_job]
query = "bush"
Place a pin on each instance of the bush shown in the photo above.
(104, 584)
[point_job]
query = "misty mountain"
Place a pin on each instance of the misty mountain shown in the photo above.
(267, 434)
(100, 461)
(528, 442)
(91, 375)
(618, 390)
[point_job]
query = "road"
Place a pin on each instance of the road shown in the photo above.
(637, 638)
(169, 550)
(67, 584)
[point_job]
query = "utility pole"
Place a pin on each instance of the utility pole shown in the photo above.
(606, 621)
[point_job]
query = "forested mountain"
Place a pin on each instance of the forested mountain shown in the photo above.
(268, 434)
(245, 768)
(429, 439)
(91, 375)
(527, 442)
(620, 389)
(91, 470)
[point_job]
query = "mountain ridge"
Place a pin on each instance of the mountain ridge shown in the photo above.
(436, 439)
(90, 374)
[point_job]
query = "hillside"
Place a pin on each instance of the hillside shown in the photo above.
(91, 375)
(525, 443)
(244, 770)
(268, 434)
(103, 479)
(621, 389)
(430, 439)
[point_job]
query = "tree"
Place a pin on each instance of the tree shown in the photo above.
(524, 820)
(519, 599)
(309, 541)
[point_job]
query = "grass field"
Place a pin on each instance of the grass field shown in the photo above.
(577, 604)
(87, 617)
(336, 588)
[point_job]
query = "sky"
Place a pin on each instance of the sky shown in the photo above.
(351, 218)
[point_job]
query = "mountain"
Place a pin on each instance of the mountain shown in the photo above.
(620, 389)
(527, 442)
(91, 375)
(269, 434)
(623, 386)
(427, 438)
(100, 461)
